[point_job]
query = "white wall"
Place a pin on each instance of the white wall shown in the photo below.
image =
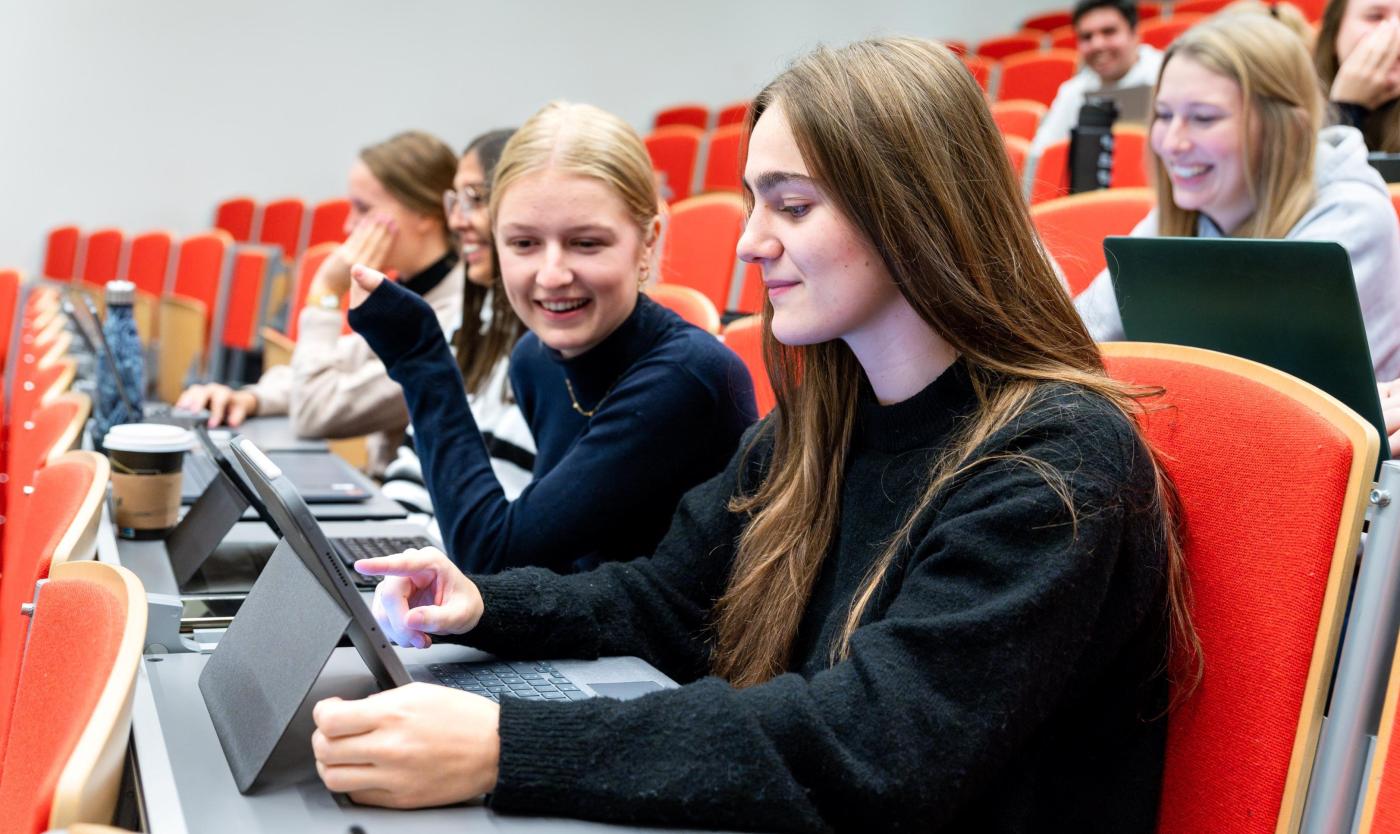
(145, 113)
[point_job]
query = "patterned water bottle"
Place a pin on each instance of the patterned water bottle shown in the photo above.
(120, 403)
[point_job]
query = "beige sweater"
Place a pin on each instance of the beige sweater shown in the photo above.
(336, 386)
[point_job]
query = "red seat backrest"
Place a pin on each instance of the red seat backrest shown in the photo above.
(237, 216)
(328, 221)
(1018, 117)
(724, 159)
(1266, 575)
(58, 688)
(250, 269)
(752, 293)
(688, 303)
(1036, 76)
(1159, 32)
(102, 252)
(1073, 228)
(745, 337)
(689, 114)
(700, 245)
(674, 151)
(733, 114)
(998, 48)
(310, 261)
(281, 226)
(199, 270)
(1046, 21)
(148, 263)
(981, 69)
(61, 253)
(49, 510)
(9, 298)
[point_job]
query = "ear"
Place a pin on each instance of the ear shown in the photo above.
(651, 239)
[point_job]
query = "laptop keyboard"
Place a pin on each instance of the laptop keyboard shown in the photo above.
(351, 548)
(532, 680)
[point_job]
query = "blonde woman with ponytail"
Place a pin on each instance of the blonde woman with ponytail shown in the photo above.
(936, 588)
(1238, 153)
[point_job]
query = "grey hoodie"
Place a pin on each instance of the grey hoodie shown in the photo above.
(1352, 208)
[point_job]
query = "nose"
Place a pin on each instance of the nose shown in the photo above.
(1177, 137)
(554, 273)
(757, 244)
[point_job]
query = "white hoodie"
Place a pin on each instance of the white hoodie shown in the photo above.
(1352, 208)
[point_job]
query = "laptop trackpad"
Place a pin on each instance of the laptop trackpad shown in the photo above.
(625, 690)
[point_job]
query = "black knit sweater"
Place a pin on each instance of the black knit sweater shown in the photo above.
(1006, 679)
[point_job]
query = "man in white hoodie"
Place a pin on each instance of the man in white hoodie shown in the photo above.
(1353, 208)
(1111, 59)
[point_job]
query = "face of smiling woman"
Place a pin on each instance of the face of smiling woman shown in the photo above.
(1197, 133)
(570, 258)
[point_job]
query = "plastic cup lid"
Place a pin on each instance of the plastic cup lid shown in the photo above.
(148, 437)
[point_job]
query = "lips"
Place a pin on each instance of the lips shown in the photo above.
(563, 306)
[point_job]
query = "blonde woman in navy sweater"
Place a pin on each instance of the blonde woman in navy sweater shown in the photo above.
(934, 590)
(629, 405)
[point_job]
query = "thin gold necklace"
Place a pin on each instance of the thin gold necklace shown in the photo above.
(588, 412)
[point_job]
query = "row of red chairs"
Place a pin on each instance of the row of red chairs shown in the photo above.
(64, 714)
(675, 153)
(693, 114)
(283, 223)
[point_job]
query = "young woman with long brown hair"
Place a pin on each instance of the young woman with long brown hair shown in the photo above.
(935, 589)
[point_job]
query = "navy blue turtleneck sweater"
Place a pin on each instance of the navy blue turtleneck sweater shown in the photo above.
(669, 405)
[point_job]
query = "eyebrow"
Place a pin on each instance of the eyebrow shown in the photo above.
(769, 180)
(585, 228)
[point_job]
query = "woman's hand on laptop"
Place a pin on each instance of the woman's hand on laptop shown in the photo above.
(411, 747)
(422, 594)
(225, 405)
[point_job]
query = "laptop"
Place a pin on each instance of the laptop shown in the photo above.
(1388, 164)
(347, 548)
(321, 477)
(1134, 103)
(1289, 304)
(548, 680)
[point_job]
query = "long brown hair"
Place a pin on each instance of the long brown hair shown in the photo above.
(900, 139)
(1281, 115)
(415, 168)
(481, 348)
(1382, 127)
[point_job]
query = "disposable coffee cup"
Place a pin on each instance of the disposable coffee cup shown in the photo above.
(146, 459)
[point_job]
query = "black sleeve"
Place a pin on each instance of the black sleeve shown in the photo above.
(993, 613)
(656, 608)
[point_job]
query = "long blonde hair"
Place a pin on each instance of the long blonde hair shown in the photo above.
(899, 137)
(1281, 115)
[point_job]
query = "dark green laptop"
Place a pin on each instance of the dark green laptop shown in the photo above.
(1286, 303)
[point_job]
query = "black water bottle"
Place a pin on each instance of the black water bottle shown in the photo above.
(1091, 146)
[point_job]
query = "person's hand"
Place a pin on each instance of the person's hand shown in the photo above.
(416, 746)
(363, 281)
(1390, 410)
(1370, 76)
(422, 593)
(224, 403)
(368, 244)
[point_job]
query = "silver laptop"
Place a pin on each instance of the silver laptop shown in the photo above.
(1134, 103)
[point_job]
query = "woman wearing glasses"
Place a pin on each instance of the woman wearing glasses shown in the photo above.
(483, 351)
(334, 386)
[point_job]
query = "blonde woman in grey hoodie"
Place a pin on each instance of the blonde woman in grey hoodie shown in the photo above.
(1239, 153)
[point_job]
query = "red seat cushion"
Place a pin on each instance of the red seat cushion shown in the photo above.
(58, 690)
